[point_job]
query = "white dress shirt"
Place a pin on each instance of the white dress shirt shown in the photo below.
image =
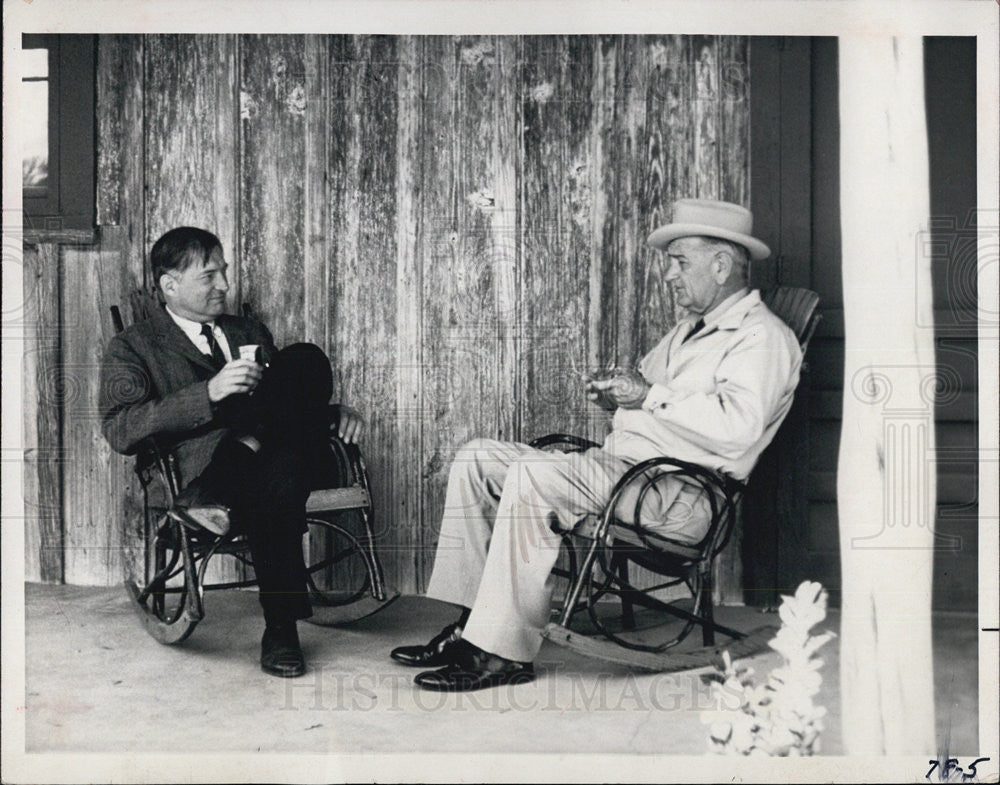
(718, 398)
(192, 330)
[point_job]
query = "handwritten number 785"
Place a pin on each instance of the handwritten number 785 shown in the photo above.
(951, 768)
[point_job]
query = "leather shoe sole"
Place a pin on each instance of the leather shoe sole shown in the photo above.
(212, 517)
(454, 678)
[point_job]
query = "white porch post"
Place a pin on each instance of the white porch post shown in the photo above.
(886, 490)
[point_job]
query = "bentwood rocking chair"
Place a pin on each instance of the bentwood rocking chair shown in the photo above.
(344, 574)
(601, 550)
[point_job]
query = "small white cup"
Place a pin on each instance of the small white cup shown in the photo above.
(249, 352)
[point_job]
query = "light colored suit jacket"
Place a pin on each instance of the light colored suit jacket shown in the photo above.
(718, 398)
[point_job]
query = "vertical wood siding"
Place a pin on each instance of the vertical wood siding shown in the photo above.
(459, 221)
(42, 417)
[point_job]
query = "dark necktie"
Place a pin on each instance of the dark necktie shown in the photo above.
(697, 326)
(218, 358)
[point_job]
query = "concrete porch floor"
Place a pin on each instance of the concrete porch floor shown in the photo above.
(97, 683)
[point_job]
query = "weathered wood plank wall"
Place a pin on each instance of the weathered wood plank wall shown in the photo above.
(42, 423)
(458, 221)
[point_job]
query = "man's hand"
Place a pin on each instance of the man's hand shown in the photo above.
(236, 376)
(596, 395)
(351, 425)
(624, 389)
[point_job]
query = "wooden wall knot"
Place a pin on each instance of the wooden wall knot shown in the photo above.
(480, 53)
(541, 93)
(248, 106)
(279, 68)
(483, 199)
(295, 102)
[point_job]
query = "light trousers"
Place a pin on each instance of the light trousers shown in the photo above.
(506, 506)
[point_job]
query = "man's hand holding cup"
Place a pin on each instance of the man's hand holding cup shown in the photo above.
(237, 376)
(623, 388)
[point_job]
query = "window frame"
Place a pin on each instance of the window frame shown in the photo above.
(67, 212)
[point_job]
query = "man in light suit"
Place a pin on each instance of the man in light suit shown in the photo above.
(248, 435)
(712, 392)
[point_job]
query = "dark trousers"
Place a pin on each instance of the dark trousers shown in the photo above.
(267, 491)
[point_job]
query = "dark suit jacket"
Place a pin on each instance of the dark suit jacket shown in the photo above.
(154, 381)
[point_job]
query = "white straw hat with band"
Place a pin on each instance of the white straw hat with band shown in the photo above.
(709, 218)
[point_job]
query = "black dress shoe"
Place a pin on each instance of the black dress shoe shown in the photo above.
(280, 652)
(475, 669)
(439, 651)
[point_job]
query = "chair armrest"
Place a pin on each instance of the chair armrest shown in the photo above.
(576, 443)
(151, 452)
(352, 464)
(153, 455)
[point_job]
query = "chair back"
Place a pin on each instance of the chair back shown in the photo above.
(796, 307)
(142, 303)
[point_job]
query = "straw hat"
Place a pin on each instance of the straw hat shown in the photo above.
(709, 218)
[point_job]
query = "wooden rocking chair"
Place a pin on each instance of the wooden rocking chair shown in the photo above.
(344, 574)
(610, 545)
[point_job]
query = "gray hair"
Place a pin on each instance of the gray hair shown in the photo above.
(739, 253)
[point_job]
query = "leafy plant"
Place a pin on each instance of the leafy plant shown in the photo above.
(778, 718)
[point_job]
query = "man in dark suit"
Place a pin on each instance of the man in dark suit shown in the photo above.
(249, 434)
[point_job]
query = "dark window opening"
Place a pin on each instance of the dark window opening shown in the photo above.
(57, 124)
